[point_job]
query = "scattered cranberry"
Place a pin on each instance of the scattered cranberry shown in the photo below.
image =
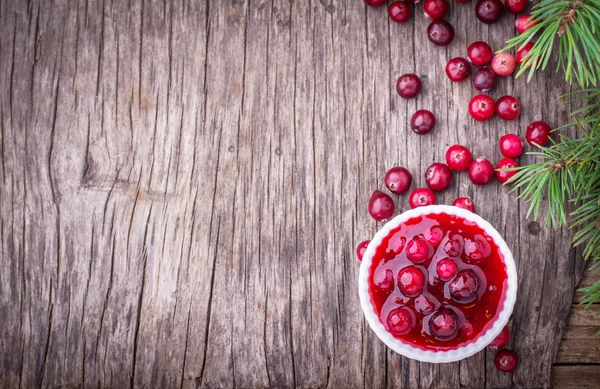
(501, 340)
(489, 11)
(421, 197)
(480, 53)
(361, 248)
(508, 108)
(434, 236)
(515, 6)
(458, 157)
(454, 246)
(417, 250)
(538, 133)
(477, 249)
(408, 85)
(525, 22)
(381, 206)
(484, 79)
(423, 305)
(422, 122)
(511, 145)
(464, 287)
(400, 321)
(505, 163)
(522, 52)
(506, 360)
(481, 171)
(503, 64)
(444, 324)
(375, 3)
(438, 177)
(458, 69)
(384, 279)
(446, 268)
(411, 281)
(398, 180)
(464, 203)
(435, 9)
(399, 12)
(482, 107)
(440, 32)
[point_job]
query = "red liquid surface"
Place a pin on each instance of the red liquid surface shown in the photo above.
(474, 318)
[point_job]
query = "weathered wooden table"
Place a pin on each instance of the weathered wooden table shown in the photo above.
(183, 184)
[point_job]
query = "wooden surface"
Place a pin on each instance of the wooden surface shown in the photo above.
(183, 184)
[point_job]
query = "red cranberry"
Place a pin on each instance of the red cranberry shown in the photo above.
(440, 32)
(434, 236)
(508, 108)
(421, 197)
(538, 133)
(458, 158)
(505, 163)
(481, 171)
(454, 246)
(464, 287)
(438, 177)
(417, 250)
(525, 22)
(398, 180)
(361, 248)
(477, 249)
(422, 122)
(375, 3)
(458, 69)
(489, 11)
(444, 324)
(381, 206)
(482, 107)
(503, 64)
(464, 203)
(384, 279)
(511, 145)
(446, 268)
(435, 9)
(506, 360)
(522, 52)
(515, 6)
(501, 340)
(399, 12)
(400, 321)
(408, 85)
(484, 79)
(411, 281)
(423, 305)
(395, 244)
(480, 53)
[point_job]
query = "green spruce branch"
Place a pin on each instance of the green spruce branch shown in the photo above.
(570, 26)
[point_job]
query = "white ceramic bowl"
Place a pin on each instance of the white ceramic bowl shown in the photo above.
(406, 349)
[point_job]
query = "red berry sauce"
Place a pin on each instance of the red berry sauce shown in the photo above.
(427, 316)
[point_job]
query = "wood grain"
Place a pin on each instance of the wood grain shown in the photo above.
(183, 185)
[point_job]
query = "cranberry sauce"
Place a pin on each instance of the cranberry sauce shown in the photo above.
(437, 282)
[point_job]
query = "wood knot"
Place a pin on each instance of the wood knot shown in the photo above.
(533, 228)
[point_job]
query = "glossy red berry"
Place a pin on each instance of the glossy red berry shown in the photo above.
(464, 203)
(458, 69)
(501, 340)
(484, 79)
(444, 324)
(525, 22)
(506, 360)
(481, 171)
(503, 64)
(399, 12)
(511, 145)
(438, 177)
(383, 279)
(458, 157)
(361, 248)
(522, 52)
(435, 9)
(446, 268)
(480, 53)
(375, 3)
(440, 32)
(411, 281)
(421, 197)
(515, 6)
(408, 85)
(508, 108)
(477, 249)
(538, 133)
(433, 236)
(400, 321)
(465, 286)
(482, 107)
(381, 206)
(398, 180)
(417, 250)
(422, 122)
(489, 11)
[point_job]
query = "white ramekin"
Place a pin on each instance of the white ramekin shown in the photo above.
(426, 355)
